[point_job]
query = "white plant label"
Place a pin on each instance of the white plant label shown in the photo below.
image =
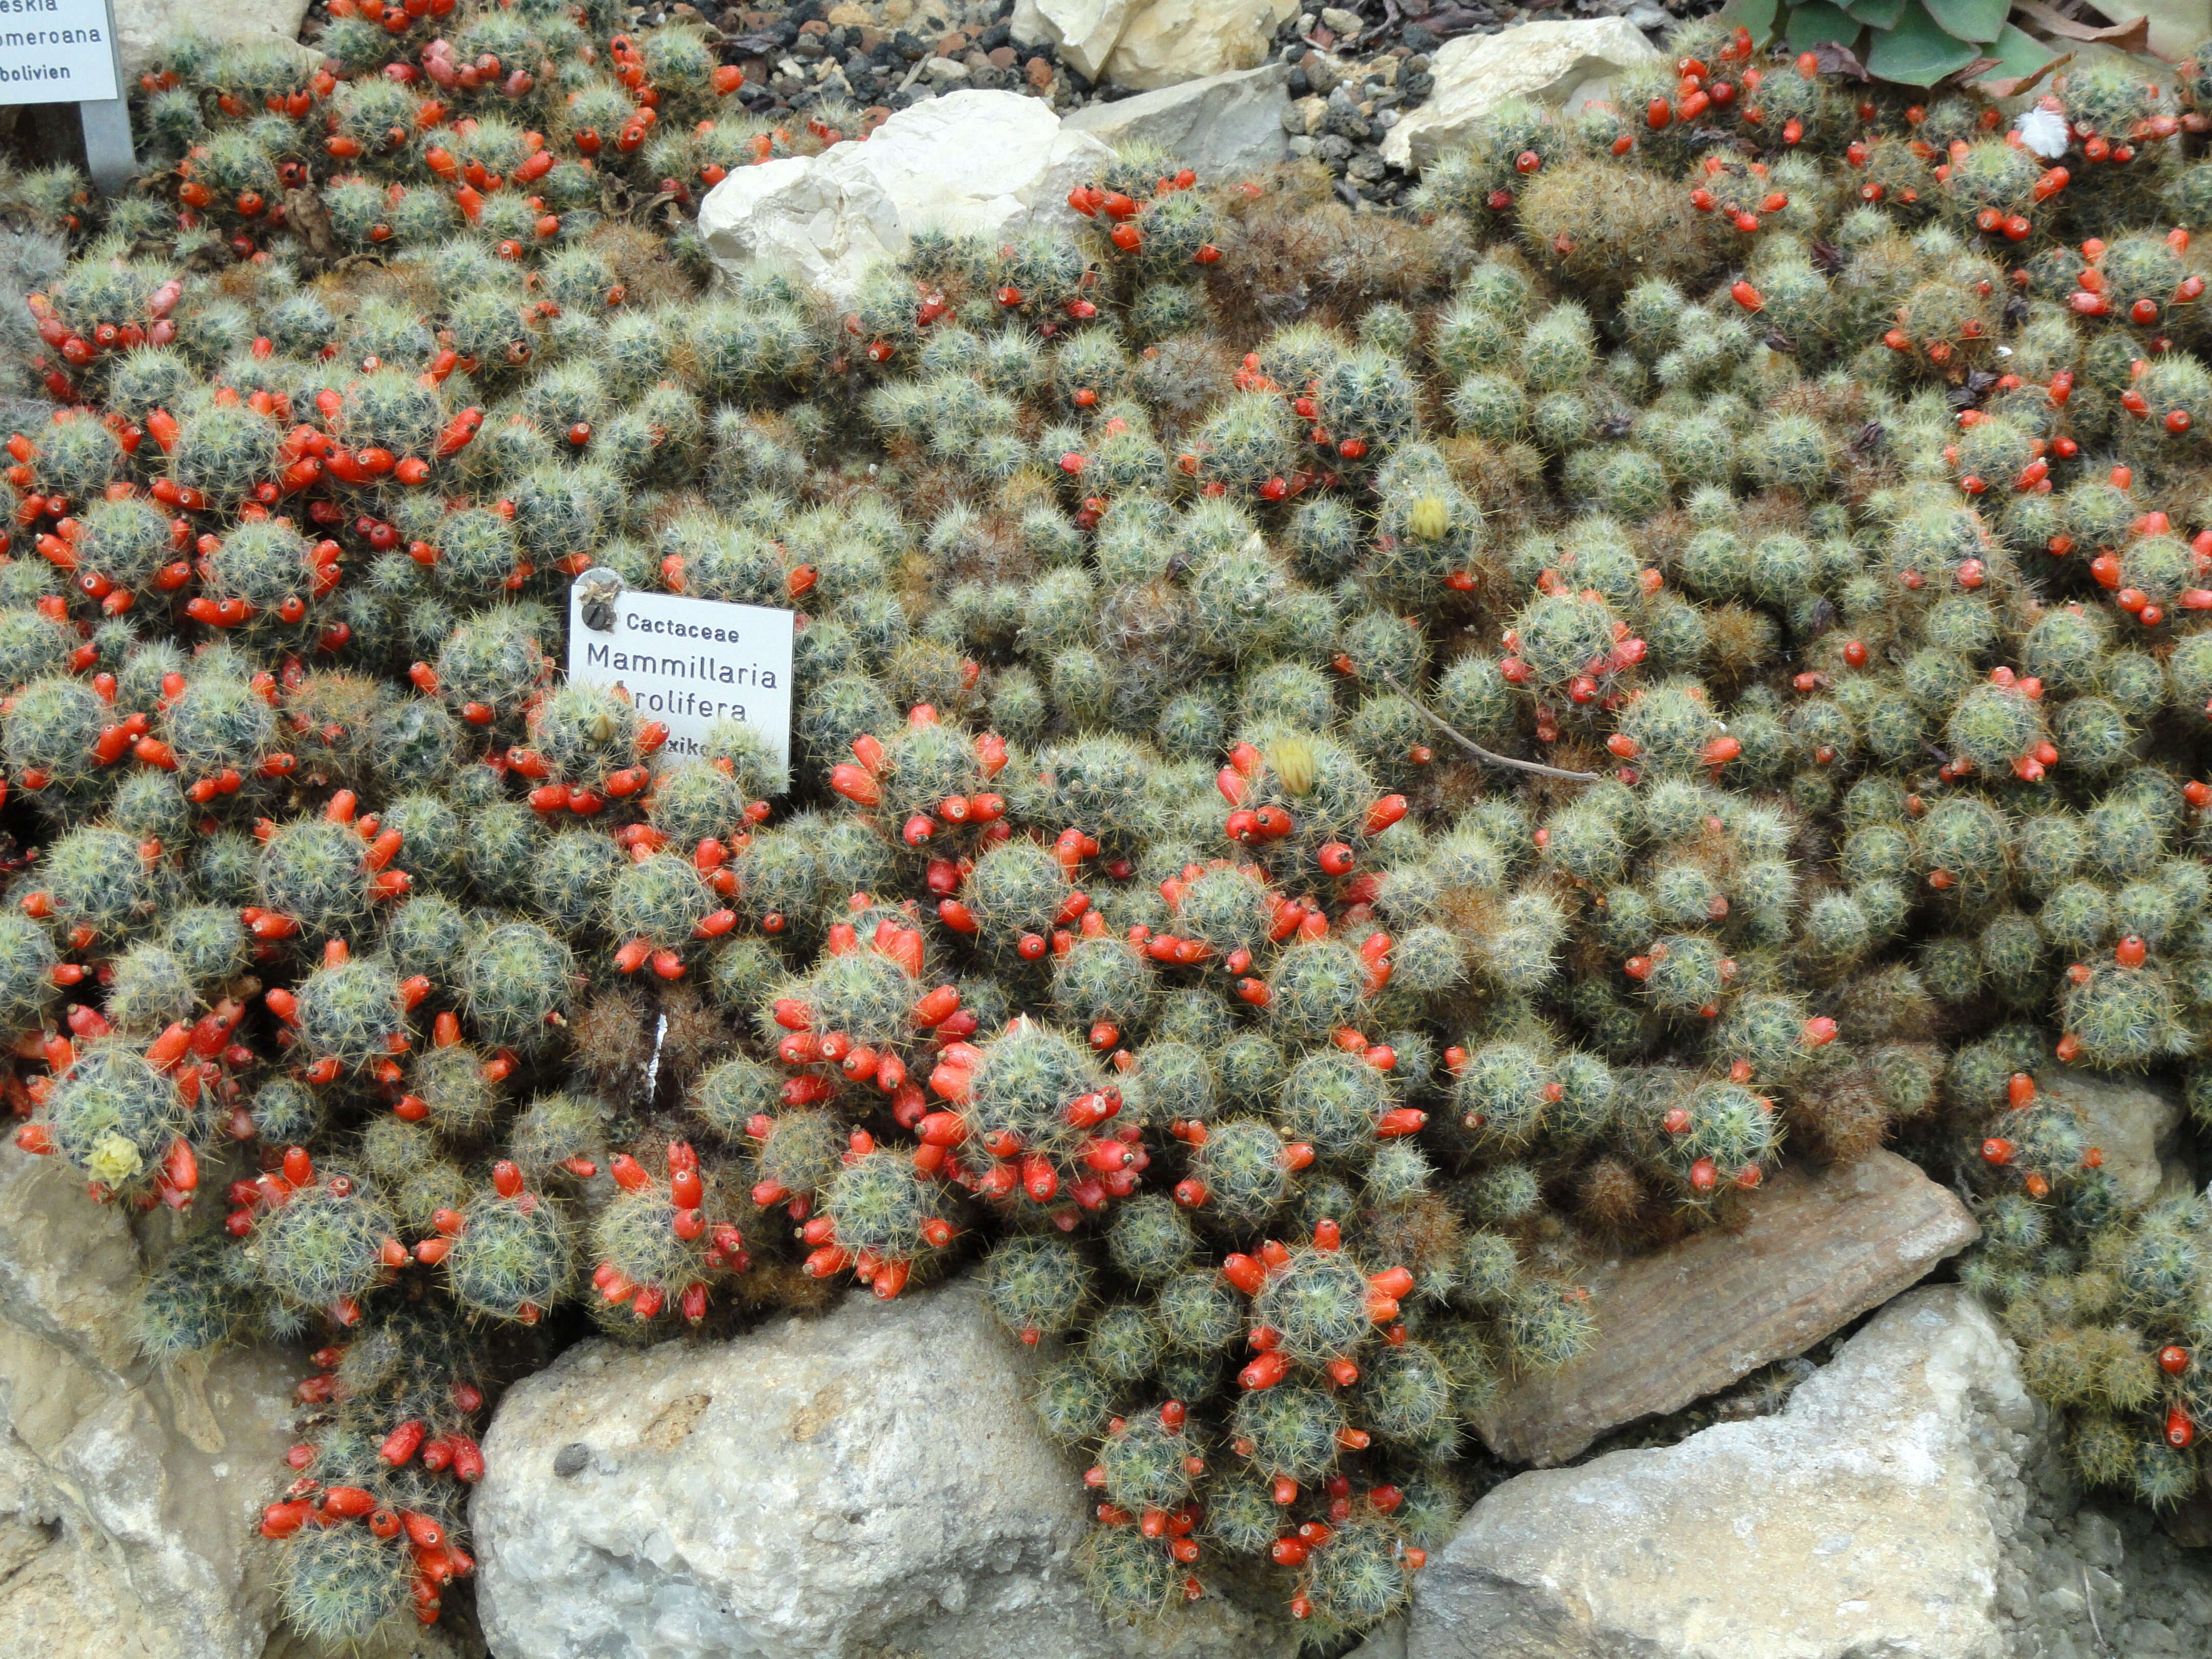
(686, 662)
(57, 51)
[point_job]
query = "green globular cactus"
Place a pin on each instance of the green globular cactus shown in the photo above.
(1684, 974)
(645, 1264)
(1016, 889)
(1072, 1402)
(517, 982)
(1316, 986)
(221, 452)
(1359, 1578)
(661, 900)
(1317, 1301)
(1104, 984)
(123, 543)
(77, 459)
(1224, 908)
(351, 1011)
(1124, 1345)
(740, 973)
(115, 1118)
(28, 985)
(1994, 726)
(1240, 1174)
(219, 724)
(1142, 1460)
(450, 1084)
(729, 1096)
(50, 734)
(425, 936)
(571, 881)
(339, 1585)
(1292, 1429)
(1773, 1033)
(1171, 1083)
(699, 801)
(323, 1248)
(192, 1303)
(883, 1210)
(1502, 1091)
(1150, 1239)
(558, 1134)
(106, 882)
(491, 662)
(286, 1112)
(32, 644)
(513, 1258)
(1027, 1085)
(317, 874)
(1545, 1328)
(1130, 1577)
(1036, 1286)
(1198, 1316)
(2120, 1018)
(1717, 1136)
(864, 994)
(150, 990)
(1333, 1101)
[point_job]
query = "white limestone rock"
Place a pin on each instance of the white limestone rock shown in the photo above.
(1869, 1516)
(128, 1495)
(1174, 40)
(1565, 63)
(1085, 31)
(143, 26)
(991, 162)
(1220, 127)
(868, 1483)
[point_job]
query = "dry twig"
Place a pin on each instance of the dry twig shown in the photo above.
(1476, 749)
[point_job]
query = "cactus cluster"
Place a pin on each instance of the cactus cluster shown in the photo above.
(1339, 761)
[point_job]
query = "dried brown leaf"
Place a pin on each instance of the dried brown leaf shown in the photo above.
(2134, 35)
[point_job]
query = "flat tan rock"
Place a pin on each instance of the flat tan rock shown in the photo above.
(1821, 1249)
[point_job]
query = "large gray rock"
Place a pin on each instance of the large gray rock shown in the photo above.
(870, 1482)
(2130, 1119)
(1816, 1251)
(991, 162)
(1867, 1518)
(127, 1496)
(1172, 40)
(141, 26)
(1219, 127)
(1564, 64)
